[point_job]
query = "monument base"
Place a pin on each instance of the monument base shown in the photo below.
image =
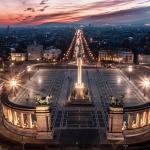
(79, 96)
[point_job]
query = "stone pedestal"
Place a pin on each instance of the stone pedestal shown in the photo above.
(43, 116)
(115, 130)
(79, 90)
(79, 96)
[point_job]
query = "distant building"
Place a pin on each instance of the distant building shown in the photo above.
(52, 54)
(126, 57)
(18, 56)
(1, 65)
(145, 59)
(118, 57)
(35, 51)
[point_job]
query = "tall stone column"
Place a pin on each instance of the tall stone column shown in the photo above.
(79, 75)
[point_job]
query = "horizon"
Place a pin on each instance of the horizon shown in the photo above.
(35, 12)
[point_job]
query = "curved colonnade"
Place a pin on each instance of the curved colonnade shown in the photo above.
(137, 120)
(22, 119)
(17, 118)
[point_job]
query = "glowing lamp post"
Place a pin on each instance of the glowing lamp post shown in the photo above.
(146, 85)
(13, 84)
(29, 70)
(130, 69)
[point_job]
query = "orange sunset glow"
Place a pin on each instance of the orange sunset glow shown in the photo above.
(41, 11)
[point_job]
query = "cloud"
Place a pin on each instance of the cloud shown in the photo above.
(21, 18)
(135, 14)
(43, 9)
(23, 2)
(105, 4)
(43, 2)
(52, 16)
(27, 17)
(55, 17)
(30, 9)
(75, 10)
(74, 15)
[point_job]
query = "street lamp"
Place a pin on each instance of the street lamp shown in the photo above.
(146, 85)
(13, 84)
(130, 69)
(119, 80)
(29, 70)
(12, 64)
(12, 67)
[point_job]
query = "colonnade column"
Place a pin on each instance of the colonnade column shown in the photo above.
(10, 116)
(130, 120)
(146, 121)
(15, 118)
(148, 117)
(138, 119)
(140, 116)
(21, 120)
(29, 120)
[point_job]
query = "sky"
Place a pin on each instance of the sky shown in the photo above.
(33, 12)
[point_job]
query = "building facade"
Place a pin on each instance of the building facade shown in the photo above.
(35, 51)
(51, 54)
(16, 56)
(117, 57)
(144, 59)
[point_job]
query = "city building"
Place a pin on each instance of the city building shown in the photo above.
(145, 59)
(35, 51)
(126, 57)
(118, 57)
(51, 54)
(18, 56)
